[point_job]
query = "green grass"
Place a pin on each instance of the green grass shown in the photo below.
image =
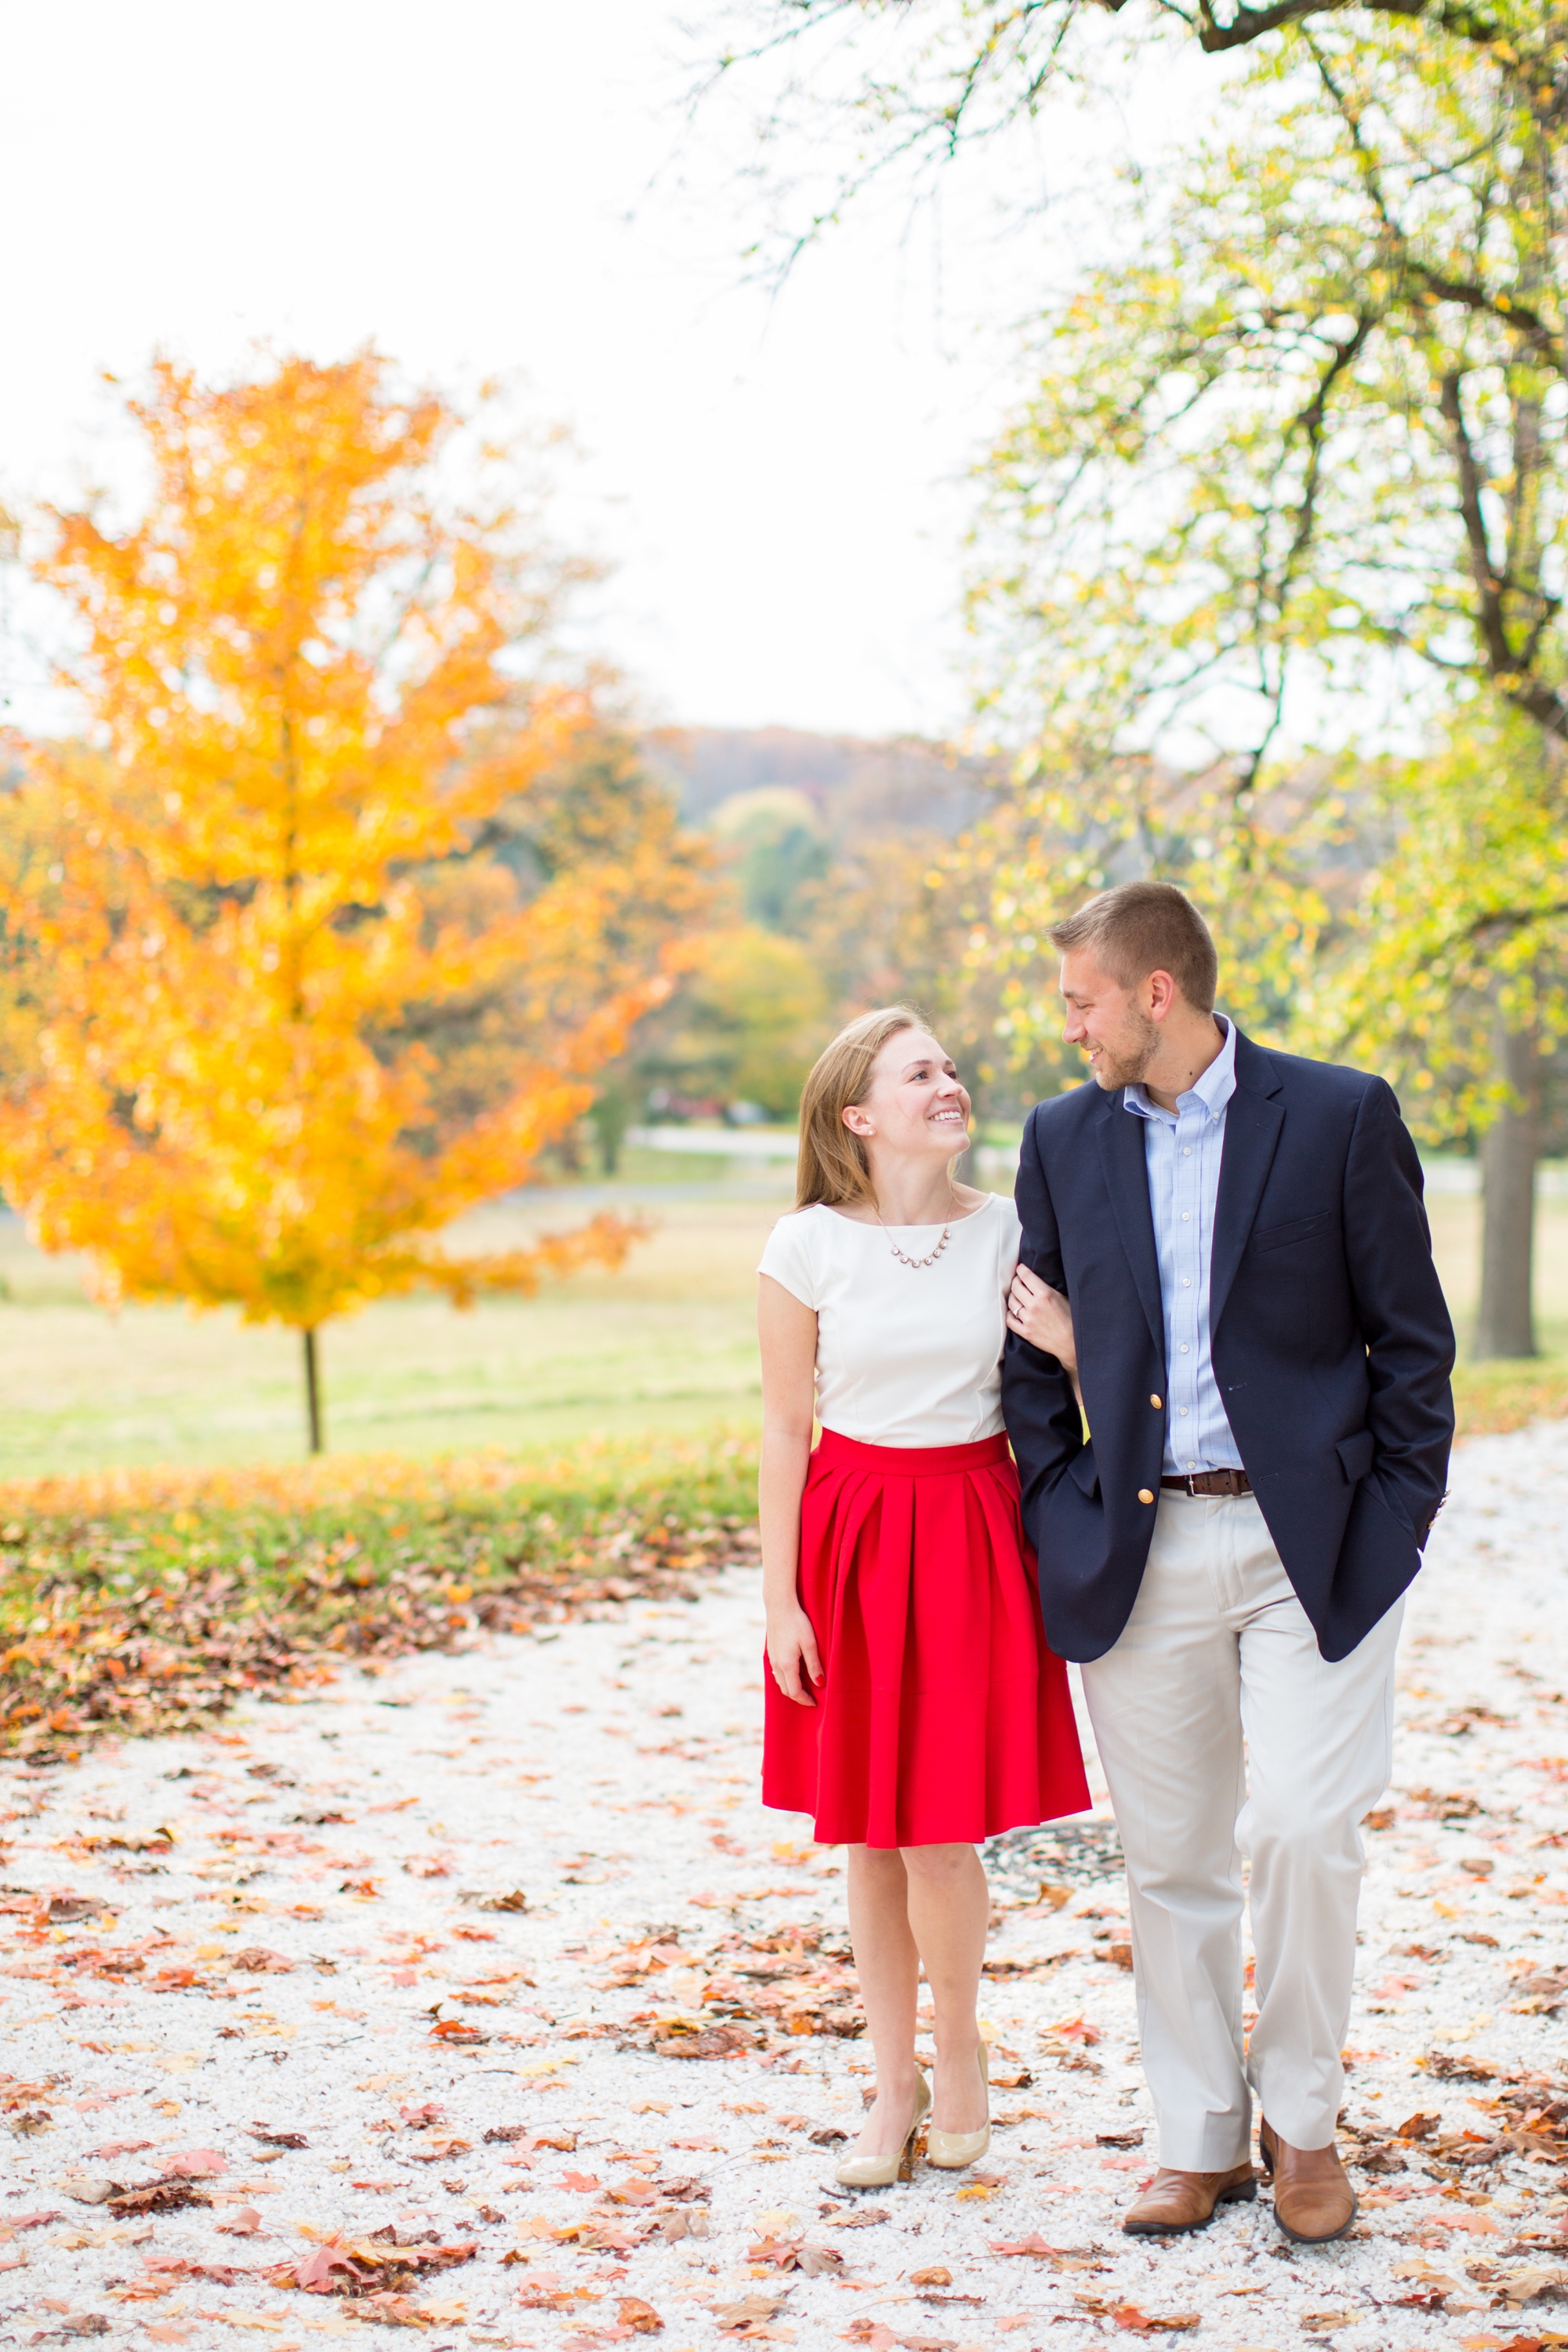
(664, 1348)
(666, 1345)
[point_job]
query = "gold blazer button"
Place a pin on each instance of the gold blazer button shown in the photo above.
(1145, 1495)
(1156, 1402)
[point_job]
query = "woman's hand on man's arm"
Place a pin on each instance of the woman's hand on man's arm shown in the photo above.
(1042, 1316)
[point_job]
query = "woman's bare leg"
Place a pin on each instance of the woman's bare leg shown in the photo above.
(948, 1910)
(888, 1965)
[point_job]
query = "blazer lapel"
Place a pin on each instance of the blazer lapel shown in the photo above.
(1127, 1176)
(1252, 1124)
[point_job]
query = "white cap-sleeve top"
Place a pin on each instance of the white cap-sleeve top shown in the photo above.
(904, 1356)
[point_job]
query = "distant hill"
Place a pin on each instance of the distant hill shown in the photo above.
(860, 788)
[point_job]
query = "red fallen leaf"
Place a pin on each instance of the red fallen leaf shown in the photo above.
(194, 2164)
(31, 2220)
(168, 2195)
(783, 2252)
(243, 2224)
(453, 2029)
(582, 2180)
(439, 2150)
(1145, 2323)
(1033, 2244)
(1075, 2030)
(392, 2310)
(314, 2274)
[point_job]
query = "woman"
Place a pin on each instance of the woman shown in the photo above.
(913, 1707)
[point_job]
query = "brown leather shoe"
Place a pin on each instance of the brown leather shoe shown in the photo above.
(1313, 2202)
(1176, 2200)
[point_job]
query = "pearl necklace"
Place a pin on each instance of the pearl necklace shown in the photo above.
(917, 1265)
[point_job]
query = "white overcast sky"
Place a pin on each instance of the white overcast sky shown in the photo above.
(779, 481)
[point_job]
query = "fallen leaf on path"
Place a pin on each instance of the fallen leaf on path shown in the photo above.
(639, 2316)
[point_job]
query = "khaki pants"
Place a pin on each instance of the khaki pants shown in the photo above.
(1218, 1653)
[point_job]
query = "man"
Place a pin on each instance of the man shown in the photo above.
(1264, 1352)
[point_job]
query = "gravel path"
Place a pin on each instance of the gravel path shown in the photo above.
(609, 2113)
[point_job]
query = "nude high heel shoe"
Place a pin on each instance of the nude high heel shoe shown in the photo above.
(951, 2152)
(881, 2171)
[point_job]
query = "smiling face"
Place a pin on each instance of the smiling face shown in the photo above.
(914, 1104)
(1114, 1024)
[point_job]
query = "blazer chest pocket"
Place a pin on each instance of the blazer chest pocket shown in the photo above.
(1299, 1229)
(1355, 1455)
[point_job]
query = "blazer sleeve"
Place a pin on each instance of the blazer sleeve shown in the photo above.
(1403, 1314)
(1038, 1402)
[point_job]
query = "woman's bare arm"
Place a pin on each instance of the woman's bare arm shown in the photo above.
(788, 1332)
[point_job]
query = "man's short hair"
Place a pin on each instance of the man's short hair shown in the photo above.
(1144, 927)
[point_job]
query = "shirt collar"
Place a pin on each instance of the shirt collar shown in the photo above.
(1213, 1088)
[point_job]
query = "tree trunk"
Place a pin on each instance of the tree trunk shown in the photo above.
(1510, 1147)
(313, 1391)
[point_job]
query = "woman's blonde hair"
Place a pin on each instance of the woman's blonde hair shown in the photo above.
(833, 1167)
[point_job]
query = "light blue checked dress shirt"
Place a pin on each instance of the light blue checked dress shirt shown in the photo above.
(1183, 1150)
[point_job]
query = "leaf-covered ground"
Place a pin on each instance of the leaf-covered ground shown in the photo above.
(1493, 1399)
(145, 1601)
(478, 1996)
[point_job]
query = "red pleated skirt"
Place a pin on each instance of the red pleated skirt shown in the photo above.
(945, 1718)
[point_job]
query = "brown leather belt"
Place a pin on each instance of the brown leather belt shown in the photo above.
(1212, 1481)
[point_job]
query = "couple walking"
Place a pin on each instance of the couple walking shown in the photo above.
(1221, 1252)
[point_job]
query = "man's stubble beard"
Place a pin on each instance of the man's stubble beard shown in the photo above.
(1126, 1069)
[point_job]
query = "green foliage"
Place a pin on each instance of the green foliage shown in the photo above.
(781, 850)
(1319, 419)
(1311, 443)
(1463, 922)
(752, 1017)
(873, 88)
(1251, 862)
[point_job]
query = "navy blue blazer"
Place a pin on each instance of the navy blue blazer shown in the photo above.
(1331, 1346)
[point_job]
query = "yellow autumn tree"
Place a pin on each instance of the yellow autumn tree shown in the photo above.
(305, 684)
